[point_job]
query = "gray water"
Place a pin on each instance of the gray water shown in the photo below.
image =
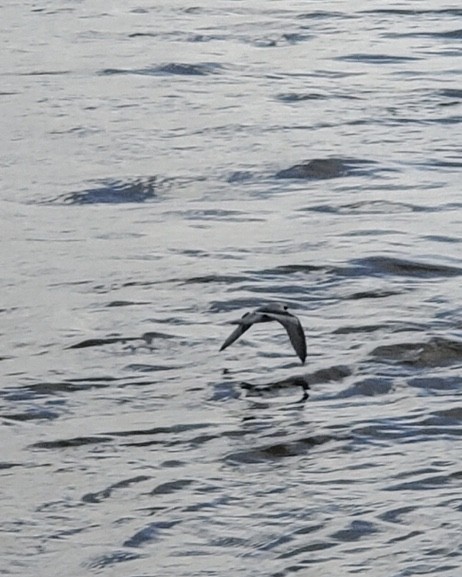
(166, 167)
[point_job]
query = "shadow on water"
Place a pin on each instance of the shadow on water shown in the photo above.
(227, 389)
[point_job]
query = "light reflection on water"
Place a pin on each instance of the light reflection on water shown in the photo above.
(166, 169)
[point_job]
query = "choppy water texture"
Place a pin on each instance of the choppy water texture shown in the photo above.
(166, 166)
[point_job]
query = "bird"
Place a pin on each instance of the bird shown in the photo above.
(267, 313)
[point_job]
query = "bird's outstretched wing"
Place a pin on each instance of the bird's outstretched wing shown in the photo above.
(238, 331)
(244, 324)
(295, 331)
(268, 313)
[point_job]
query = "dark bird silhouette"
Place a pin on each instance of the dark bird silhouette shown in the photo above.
(272, 312)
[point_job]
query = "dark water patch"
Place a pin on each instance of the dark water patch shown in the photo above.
(376, 58)
(118, 192)
(454, 414)
(212, 279)
(71, 443)
(436, 352)
(168, 431)
(219, 215)
(278, 451)
(141, 35)
(150, 368)
(4, 466)
(455, 93)
(205, 37)
(280, 40)
(323, 168)
(397, 515)
(370, 387)
(385, 430)
(373, 294)
(446, 383)
(385, 266)
(335, 373)
(171, 487)
(125, 304)
(368, 207)
(438, 163)
(414, 11)
(224, 391)
(103, 289)
(456, 119)
(101, 342)
(289, 269)
(49, 389)
(324, 15)
(240, 176)
(442, 238)
(193, 10)
(437, 424)
(145, 338)
(107, 493)
(348, 330)
(44, 73)
(291, 97)
(34, 414)
(171, 69)
(112, 559)
(150, 533)
(456, 34)
(428, 480)
(355, 531)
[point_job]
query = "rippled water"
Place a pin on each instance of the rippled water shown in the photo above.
(168, 166)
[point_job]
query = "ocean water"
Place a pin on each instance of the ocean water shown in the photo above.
(167, 167)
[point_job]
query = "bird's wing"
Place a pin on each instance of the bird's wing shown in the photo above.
(238, 331)
(244, 324)
(295, 331)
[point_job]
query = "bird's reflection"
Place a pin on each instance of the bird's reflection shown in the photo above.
(275, 387)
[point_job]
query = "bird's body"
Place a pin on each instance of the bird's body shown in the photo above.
(266, 314)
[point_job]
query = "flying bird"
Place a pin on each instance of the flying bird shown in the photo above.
(272, 312)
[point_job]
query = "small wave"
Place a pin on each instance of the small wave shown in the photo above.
(277, 451)
(373, 294)
(322, 168)
(455, 93)
(107, 493)
(436, 352)
(414, 11)
(457, 34)
(381, 265)
(117, 192)
(376, 58)
(111, 559)
(299, 97)
(73, 442)
(152, 532)
(369, 207)
(174, 69)
(369, 387)
(146, 338)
